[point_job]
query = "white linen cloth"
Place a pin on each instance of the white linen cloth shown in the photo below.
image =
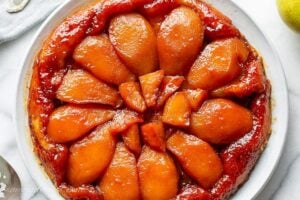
(14, 24)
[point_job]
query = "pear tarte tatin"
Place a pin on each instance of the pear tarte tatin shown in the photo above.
(143, 99)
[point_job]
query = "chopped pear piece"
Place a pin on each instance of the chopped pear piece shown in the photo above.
(131, 138)
(218, 64)
(154, 170)
(150, 84)
(177, 110)
(135, 42)
(251, 81)
(120, 181)
(221, 121)
(90, 156)
(131, 93)
(198, 158)
(70, 122)
(97, 54)
(80, 87)
(124, 119)
(179, 40)
(154, 135)
(170, 84)
(196, 97)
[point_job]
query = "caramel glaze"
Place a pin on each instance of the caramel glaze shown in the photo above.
(51, 65)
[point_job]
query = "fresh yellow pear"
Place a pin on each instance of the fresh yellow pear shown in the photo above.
(290, 13)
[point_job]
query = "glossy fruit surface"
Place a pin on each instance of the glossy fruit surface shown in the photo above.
(70, 122)
(80, 87)
(131, 93)
(131, 138)
(179, 40)
(177, 110)
(84, 168)
(154, 135)
(197, 158)
(96, 54)
(221, 121)
(218, 64)
(135, 42)
(154, 168)
(138, 99)
(150, 84)
(120, 180)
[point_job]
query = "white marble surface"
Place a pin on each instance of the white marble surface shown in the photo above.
(285, 182)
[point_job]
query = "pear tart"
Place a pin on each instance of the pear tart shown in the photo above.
(154, 100)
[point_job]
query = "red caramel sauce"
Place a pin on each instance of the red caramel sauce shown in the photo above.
(54, 60)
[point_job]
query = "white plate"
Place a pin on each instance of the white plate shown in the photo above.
(270, 157)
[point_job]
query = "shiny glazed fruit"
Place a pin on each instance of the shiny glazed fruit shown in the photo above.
(152, 100)
(179, 40)
(221, 121)
(218, 64)
(135, 42)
